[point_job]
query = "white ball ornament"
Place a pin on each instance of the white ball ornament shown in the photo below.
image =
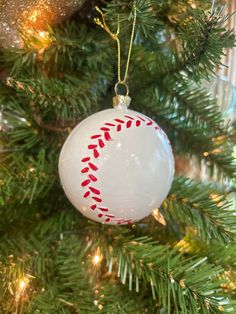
(117, 165)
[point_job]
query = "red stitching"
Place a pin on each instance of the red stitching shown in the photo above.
(92, 177)
(85, 159)
(97, 199)
(93, 167)
(138, 123)
(119, 120)
(95, 153)
(141, 118)
(86, 194)
(109, 124)
(100, 143)
(95, 136)
(107, 136)
(104, 209)
(129, 117)
(92, 146)
(85, 182)
(84, 170)
(128, 124)
(95, 191)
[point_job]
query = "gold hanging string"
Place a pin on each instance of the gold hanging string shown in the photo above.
(102, 23)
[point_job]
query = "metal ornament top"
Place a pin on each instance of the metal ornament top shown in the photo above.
(121, 100)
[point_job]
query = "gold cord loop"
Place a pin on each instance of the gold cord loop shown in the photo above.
(115, 36)
(124, 84)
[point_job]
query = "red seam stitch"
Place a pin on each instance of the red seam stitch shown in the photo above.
(104, 209)
(101, 143)
(110, 215)
(84, 170)
(85, 159)
(129, 117)
(95, 136)
(128, 124)
(86, 194)
(141, 118)
(92, 177)
(109, 124)
(119, 121)
(97, 199)
(93, 167)
(138, 123)
(94, 190)
(107, 136)
(85, 182)
(92, 146)
(95, 153)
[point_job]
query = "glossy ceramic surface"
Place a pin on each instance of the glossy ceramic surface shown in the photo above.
(116, 166)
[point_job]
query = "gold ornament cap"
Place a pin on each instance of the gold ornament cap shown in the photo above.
(121, 100)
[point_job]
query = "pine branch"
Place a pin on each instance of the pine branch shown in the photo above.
(202, 51)
(57, 255)
(64, 100)
(217, 253)
(187, 128)
(70, 49)
(201, 206)
(180, 285)
(200, 40)
(27, 178)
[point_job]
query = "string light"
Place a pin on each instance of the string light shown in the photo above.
(183, 246)
(22, 286)
(97, 258)
(43, 34)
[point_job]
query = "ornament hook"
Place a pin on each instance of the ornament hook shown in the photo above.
(124, 84)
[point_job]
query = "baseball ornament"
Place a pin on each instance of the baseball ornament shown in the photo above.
(117, 165)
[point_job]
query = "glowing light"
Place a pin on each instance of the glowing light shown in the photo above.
(22, 285)
(205, 154)
(33, 16)
(43, 34)
(97, 258)
(183, 246)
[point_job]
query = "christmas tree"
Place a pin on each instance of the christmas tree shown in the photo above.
(180, 259)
